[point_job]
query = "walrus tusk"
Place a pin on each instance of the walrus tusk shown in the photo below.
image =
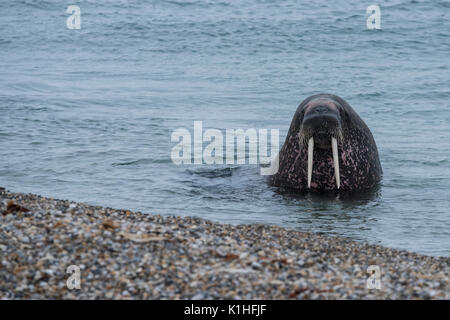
(336, 161)
(310, 159)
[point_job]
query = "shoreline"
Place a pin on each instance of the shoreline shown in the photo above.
(133, 255)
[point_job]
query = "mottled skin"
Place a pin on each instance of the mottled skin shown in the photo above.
(359, 163)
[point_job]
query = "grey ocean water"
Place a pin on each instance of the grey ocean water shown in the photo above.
(88, 114)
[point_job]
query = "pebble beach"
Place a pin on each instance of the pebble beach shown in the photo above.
(133, 255)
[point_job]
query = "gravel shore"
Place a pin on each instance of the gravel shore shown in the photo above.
(134, 255)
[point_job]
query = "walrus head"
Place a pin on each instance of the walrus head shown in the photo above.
(328, 148)
(321, 127)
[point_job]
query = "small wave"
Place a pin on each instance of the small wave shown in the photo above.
(213, 173)
(197, 3)
(42, 5)
(3, 41)
(140, 161)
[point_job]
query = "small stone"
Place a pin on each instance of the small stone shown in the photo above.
(243, 255)
(109, 295)
(24, 239)
(198, 296)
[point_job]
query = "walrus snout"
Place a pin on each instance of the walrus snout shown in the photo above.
(322, 126)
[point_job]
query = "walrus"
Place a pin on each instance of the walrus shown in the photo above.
(328, 148)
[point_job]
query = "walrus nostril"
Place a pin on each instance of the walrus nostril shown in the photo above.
(320, 109)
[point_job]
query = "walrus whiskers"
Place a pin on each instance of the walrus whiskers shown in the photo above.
(334, 146)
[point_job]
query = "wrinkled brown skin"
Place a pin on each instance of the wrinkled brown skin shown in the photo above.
(360, 167)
